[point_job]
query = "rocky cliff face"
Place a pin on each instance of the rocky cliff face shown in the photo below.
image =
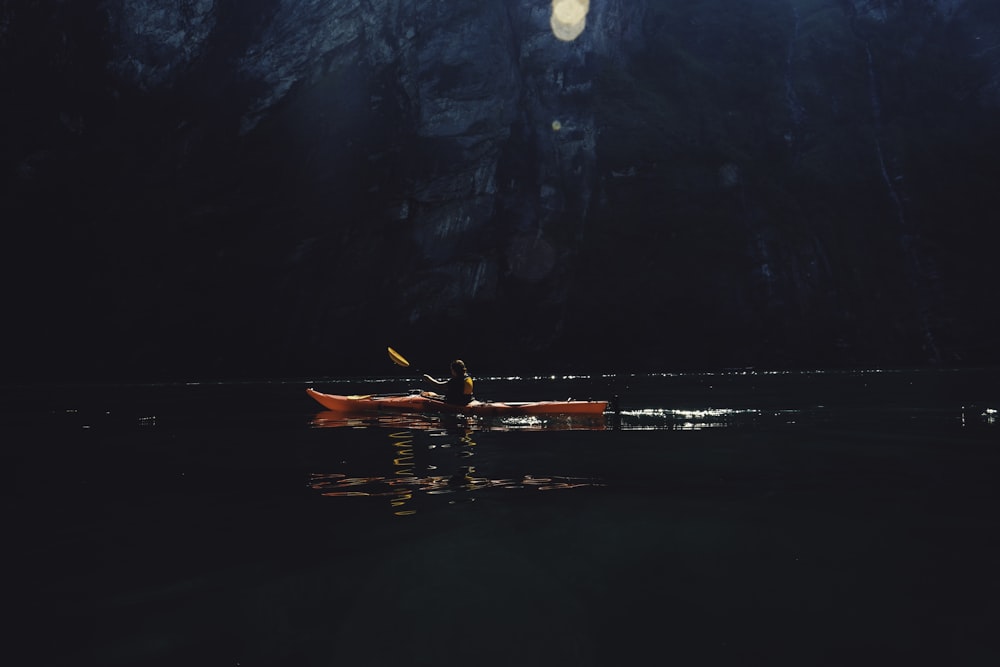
(268, 186)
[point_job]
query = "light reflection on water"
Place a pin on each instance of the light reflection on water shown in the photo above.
(401, 490)
(417, 452)
(652, 419)
(430, 422)
(436, 458)
(433, 455)
(643, 419)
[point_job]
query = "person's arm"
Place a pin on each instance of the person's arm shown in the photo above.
(430, 379)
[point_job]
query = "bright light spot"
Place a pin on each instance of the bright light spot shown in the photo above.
(570, 11)
(569, 18)
(556, 125)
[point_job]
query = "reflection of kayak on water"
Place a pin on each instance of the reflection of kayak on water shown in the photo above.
(418, 403)
(455, 422)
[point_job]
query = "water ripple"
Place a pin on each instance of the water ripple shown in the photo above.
(401, 490)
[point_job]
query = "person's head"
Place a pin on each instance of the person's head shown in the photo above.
(458, 368)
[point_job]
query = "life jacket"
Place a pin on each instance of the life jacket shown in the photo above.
(454, 392)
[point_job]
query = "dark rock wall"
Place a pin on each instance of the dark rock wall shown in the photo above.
(272, 187)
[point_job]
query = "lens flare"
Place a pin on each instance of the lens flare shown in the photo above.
(556, 125)
(569, 18)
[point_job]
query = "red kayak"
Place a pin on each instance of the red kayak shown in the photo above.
(419, 403)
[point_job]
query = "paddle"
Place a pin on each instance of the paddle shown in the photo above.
(400, 360)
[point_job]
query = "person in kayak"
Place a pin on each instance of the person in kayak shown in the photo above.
(458, 388)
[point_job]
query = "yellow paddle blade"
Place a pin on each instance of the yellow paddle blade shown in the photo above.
(398, 359)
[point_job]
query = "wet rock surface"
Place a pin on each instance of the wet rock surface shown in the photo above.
(276, 187)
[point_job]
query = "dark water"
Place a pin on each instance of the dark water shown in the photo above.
(720, 519)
